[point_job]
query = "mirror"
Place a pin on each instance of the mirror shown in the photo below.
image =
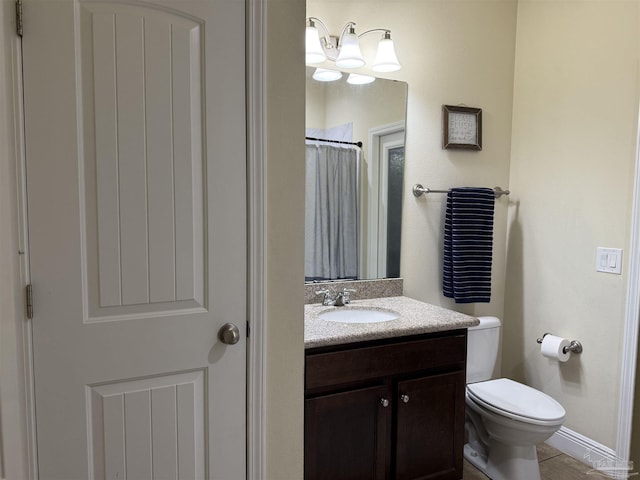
(353, 194)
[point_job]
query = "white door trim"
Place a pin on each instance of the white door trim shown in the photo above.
(630, 334)
(373, 145)
(28, 455)
(383, 207)
(257, 214)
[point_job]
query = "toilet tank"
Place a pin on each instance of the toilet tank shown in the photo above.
(482, 349)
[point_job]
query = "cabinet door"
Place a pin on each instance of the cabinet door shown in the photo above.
(430, 427)
(347, 435)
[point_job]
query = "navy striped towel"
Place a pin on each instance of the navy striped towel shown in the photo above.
(468, 244)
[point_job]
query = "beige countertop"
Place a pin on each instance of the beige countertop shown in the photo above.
(415, 317)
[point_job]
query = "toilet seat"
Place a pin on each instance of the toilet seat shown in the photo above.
(516, 401)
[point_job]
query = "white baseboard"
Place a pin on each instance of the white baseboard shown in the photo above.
(591, 453)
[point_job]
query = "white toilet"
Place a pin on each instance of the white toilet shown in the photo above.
(504, 419)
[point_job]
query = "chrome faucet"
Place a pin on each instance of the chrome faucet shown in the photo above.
(344, 297)
(331, 298)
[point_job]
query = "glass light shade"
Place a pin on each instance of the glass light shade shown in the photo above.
(314, 51)
(386, 59)
(357, 79)
(325, 75)
(350, 55)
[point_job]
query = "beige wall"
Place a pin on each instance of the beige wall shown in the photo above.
(572, 166)
(463, 54)
(285, 239)
(315, 104)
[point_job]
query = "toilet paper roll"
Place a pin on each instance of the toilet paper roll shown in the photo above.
(552, 347)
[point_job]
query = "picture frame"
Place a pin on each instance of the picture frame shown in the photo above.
(461, 128)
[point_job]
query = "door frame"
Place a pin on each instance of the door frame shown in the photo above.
(631, 322)
(383, 206)
(373, 177)
(256, 249)
(15, 332)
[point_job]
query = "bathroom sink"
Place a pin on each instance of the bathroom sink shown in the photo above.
(358, 315)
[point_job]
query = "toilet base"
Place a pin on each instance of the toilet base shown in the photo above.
(505, 462)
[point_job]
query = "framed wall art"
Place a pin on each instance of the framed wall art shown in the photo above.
(461, 128)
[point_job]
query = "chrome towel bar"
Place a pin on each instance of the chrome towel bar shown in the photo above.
(419, 190)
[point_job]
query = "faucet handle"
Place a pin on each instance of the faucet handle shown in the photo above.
(329, 298)
(344, 296)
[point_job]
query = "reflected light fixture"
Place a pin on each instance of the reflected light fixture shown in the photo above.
(325, 75)
(344, 50)
(357, 79)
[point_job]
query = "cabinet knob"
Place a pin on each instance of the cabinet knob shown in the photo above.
(404, 398)
(384, 402)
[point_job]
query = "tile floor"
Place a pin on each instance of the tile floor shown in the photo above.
(554, 465)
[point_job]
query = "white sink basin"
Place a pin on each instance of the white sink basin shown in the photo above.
(358, 315)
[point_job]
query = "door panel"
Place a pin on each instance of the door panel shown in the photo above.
(143, 159)
(136, 172)
(136, 427)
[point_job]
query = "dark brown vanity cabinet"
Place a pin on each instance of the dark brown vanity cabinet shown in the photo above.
(389, 409)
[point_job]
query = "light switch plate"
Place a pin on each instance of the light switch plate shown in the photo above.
(609, 260)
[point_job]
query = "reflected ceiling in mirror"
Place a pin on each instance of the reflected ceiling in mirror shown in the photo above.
(353, 195)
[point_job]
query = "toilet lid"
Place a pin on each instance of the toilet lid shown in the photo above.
(505, 396)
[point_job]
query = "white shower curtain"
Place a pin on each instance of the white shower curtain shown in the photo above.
(332, 213)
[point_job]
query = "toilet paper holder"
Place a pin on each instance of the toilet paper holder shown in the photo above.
(574, 347)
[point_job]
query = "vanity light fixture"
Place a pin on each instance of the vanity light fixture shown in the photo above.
(314, 51)
(344, 50)
(349, 54)
(386, 59)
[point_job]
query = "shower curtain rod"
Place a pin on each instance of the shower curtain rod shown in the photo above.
(357, 144)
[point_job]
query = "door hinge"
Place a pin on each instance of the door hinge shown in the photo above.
(248, 329)
(29, 298)
(19, 17)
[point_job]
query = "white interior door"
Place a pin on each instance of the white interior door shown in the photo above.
(135, 149)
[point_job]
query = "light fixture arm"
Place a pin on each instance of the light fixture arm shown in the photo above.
(387, 32)
(326, 36)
